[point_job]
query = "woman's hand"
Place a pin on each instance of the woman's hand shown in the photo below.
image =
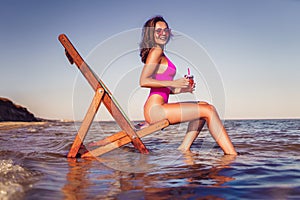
(190, 89)
(182, 86)
(180, 83)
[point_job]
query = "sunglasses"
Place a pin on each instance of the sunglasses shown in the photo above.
(160, 31)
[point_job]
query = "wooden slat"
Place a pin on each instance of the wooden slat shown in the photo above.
(152, 128)
(87, 121)
(141, 133)
(110, 139)
(108, 99)
(109, 147)
(119, 139)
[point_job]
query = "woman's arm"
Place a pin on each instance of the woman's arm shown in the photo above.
(150, 68)
(183, 90)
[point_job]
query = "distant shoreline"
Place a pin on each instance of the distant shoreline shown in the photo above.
(14, 125)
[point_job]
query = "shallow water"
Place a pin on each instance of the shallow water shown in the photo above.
(33, 164)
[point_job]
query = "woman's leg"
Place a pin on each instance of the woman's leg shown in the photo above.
(182, 112)
(192, 133)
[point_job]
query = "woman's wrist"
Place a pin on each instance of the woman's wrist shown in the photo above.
(176, 90)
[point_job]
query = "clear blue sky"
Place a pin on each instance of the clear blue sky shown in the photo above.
(255, 45)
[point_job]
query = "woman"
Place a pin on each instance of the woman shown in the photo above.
(157, 74)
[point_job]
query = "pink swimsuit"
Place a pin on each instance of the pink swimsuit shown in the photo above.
(167, 75)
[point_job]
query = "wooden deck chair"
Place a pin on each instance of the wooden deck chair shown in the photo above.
(102, 94)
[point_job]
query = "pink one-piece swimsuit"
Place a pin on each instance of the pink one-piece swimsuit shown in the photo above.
(167, 75)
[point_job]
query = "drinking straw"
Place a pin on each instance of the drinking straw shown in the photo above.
(189, 71)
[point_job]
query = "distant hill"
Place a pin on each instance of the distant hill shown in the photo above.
(12, 112)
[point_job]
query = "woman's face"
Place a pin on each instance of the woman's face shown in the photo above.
(161, 33)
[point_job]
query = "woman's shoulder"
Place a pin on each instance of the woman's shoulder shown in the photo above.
(155, 53)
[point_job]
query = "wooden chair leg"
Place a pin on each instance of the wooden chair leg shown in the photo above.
(88, 119)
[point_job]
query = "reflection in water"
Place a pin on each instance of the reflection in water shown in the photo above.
(77, 179)
(91, 178)
(211, 174)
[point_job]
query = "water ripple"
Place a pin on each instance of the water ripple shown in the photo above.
(33, 164)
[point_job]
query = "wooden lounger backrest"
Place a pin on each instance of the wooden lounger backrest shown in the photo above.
(108, 99)
(89, 74)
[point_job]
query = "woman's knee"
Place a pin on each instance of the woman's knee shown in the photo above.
(212, 108)
(207, 108)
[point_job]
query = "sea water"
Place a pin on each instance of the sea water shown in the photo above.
(33, 163)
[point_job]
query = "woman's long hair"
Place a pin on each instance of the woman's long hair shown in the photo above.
(148, 40)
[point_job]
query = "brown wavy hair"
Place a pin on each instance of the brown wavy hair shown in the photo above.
(148, 36)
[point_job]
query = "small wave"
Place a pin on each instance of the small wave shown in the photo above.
(15, 180)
